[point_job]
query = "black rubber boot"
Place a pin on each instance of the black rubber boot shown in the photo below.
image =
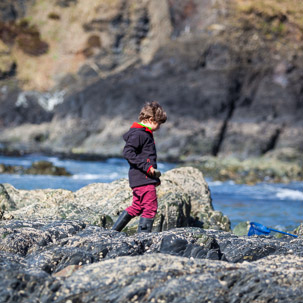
(145, 225)
(122, 221)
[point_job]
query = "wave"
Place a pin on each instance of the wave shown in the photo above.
(219, 183)
(289, 194)
(214, 183)
(111, 176)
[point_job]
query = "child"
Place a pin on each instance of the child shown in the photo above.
(140, 152)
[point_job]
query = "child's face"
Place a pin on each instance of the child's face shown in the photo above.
(155, 126)
(152, 124)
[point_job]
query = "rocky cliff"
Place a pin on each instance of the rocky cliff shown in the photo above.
(229, 74)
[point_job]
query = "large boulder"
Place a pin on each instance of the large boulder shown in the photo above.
(184, 200)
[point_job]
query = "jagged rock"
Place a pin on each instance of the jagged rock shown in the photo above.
(54, 261)
(240, 249)
(53, 246)
(183, 197)
(158, 278)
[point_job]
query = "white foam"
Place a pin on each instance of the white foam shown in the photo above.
(214, 183)
(289, 194)
(111, 176)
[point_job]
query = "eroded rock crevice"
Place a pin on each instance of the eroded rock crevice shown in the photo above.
(234, 94)
(273, 140)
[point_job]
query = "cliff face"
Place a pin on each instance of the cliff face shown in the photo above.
(229, 74)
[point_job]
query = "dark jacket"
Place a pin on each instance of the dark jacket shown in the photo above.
(140, 152)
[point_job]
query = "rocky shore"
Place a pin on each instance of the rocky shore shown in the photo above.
(69, 261)
(57, 246)
(282, 167)
(73, 76)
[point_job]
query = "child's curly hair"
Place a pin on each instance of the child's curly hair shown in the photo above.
(153, 110)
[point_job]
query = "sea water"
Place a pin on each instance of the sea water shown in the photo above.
(278, 206)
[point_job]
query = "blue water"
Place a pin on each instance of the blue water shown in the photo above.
(83, 172)
(278, 206)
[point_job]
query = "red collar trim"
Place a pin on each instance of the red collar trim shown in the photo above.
(137, 125)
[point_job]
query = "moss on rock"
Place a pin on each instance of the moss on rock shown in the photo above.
(251, 170)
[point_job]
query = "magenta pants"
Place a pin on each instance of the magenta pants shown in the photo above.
(144, 202)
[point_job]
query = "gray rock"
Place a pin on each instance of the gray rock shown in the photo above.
(183, 197)
(158, 278)
(244, 248)
(68, 260)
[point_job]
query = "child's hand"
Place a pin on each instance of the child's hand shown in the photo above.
(154, 172)
(157, 173)
(151, 172)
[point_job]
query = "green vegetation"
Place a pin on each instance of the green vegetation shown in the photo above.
(273, 18)
(63, 216)
(285, 10)
(4, 235)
